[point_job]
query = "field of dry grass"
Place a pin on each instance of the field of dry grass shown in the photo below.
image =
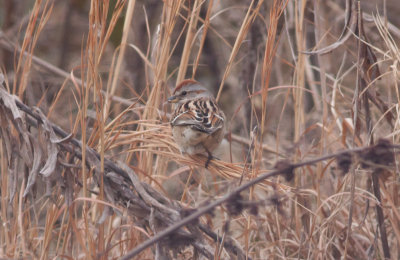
(308, 166)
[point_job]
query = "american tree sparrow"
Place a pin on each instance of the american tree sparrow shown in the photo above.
(197, 122)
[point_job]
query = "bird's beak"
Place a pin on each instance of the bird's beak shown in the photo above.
(172, 99)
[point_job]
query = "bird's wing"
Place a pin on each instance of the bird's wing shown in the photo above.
(202, 114)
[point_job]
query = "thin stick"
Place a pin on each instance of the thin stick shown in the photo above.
(203, 210)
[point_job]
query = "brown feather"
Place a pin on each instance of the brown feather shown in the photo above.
(185, 83)
(196, 112)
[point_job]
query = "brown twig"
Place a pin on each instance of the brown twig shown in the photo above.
(366, 154)
(379, 213)
(147, 197)
(206, 209)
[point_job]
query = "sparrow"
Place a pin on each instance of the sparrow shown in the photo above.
(197, 121)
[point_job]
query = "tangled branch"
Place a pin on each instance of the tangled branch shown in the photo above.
(123, 187)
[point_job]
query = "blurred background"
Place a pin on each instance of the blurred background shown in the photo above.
(292, 77)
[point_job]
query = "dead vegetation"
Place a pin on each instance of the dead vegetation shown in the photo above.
(308, 168)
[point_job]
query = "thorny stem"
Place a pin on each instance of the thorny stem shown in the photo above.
(203, 210)
(379, 214)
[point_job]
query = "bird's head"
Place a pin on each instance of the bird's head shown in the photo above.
(188, 90)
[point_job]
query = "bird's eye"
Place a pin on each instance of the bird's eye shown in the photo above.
(183, 93)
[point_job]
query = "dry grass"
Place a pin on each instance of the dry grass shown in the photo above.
(297, 80)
